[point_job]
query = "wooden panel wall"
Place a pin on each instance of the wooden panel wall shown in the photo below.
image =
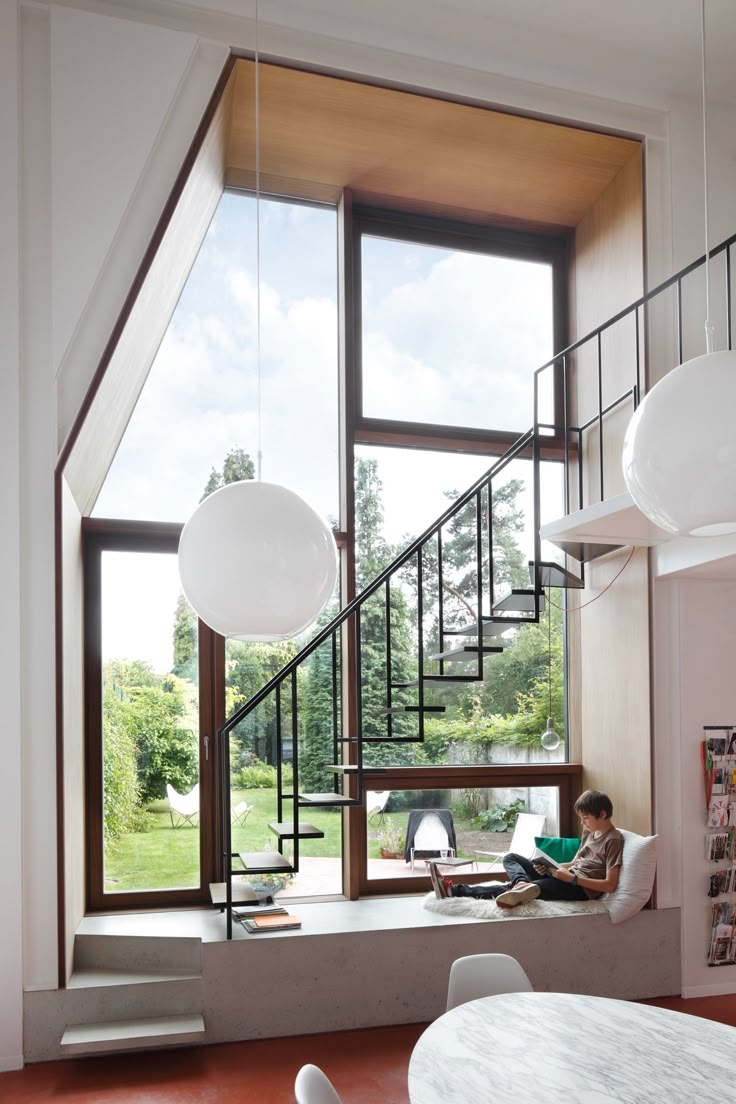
(609, 640)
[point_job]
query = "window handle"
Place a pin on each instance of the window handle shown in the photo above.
(206, 742)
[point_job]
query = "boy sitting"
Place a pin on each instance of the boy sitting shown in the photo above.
(593, 872)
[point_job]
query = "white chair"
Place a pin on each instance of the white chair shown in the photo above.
(528, 825)
(185, 806)
(375, 804)
(430, 837)
(485, 975)
(312, 1086)
(240, 812)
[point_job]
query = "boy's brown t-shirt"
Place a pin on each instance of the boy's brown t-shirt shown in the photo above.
(597, 855)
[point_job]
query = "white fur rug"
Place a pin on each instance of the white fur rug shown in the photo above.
(489, 910)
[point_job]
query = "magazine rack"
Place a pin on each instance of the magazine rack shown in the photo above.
(718, 756)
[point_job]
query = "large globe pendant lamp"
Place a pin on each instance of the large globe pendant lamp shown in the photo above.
(679, 455)
(256, 561)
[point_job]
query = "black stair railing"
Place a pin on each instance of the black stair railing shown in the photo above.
(483, 613)
(567, 359)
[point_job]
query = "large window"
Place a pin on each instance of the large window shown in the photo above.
(450, 322)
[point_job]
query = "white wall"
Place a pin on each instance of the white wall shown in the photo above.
(702, 623)
(11, 944)
(128, 144)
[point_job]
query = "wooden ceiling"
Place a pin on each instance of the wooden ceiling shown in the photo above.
(320, 134)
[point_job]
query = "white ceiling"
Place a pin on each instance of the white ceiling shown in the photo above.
(642, 51)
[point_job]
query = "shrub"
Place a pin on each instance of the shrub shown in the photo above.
(121, 790)
(499, 818)
(258, 775)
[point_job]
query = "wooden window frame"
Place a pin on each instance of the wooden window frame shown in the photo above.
(105, 535)
(552, 249)
(565, 777)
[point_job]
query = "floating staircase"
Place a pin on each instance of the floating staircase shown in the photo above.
(473, 618)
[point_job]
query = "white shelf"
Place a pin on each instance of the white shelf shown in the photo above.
(617, 521)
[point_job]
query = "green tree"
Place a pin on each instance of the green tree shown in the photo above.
(237, 465)
(185, 641)
(149, 709)
(121, 789)
(372, 554)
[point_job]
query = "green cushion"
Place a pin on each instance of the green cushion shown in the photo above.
(560, 848)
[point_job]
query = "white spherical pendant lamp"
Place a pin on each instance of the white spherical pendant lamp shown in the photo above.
(257, 562)
(679, 456)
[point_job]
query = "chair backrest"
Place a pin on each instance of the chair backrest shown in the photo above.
(485, 975)
(376, 800)
(528, 825)
(431, 834)
(184, 804)
(312, 1086)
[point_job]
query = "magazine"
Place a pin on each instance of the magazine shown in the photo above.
(245, 913)
(718, 811)
(272, 923)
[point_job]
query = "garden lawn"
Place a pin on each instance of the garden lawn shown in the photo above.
(168, 858)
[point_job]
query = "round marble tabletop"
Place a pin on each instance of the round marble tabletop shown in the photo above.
(561, 1048)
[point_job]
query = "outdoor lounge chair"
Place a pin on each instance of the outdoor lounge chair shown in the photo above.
(528, 825)
(184, 806)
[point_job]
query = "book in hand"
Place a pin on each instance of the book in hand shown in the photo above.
(274, 922)
(540, 859)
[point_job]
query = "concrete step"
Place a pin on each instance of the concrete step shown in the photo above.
(153, 1031)
(126, 959)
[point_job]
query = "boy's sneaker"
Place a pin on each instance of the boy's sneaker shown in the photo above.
(518, 895)
(442, 886)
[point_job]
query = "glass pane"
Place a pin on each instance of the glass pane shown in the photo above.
(150, 722)
(496, 718)
(452, 338)
(196, 422)
(265, 738)
(463, 823)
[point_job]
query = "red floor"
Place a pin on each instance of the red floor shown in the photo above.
(366, 1067)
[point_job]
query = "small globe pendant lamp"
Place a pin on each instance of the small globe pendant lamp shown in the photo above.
(550, 739)
(256, 561)
(679, 454)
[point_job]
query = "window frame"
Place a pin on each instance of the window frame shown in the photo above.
(100, 534)
(514, 244)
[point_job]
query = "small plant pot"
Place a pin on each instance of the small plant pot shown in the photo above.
(386, 854)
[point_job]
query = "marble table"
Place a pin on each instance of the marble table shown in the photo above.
(560, 1048)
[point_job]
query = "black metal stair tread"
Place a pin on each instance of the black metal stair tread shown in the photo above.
(242, 893)
(492, 626)
(435, 678)
(520, 600)
(326, 799)
(553, 575)
(583, 552)
(284, 829)
(468, 651)
(414, 709)
(264, 862)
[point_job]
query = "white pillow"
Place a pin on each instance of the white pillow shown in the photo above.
(636, 879)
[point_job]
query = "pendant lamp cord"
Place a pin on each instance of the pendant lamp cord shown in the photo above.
(549, 652)
(257, 82)
(574, 609)
(709, 327)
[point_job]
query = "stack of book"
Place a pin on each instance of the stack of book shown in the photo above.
(266, 918)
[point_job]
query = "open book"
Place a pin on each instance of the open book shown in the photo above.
(540, 859)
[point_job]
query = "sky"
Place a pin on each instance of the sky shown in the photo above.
(449, 337)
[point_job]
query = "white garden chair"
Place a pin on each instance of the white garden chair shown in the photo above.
(528, 825)
(184, 806)
(375, 804)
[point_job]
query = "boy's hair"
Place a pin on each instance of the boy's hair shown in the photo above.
(595, 803)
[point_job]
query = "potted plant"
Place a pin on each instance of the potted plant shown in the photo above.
(391, 843)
